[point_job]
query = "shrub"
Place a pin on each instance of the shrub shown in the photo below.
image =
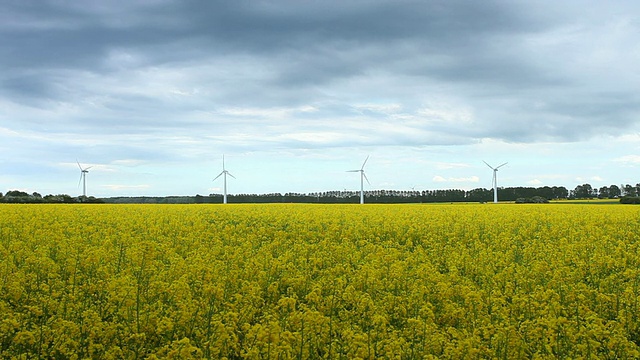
(532, 200)
(630, 200)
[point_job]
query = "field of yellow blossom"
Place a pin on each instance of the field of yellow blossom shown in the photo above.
(319, 281)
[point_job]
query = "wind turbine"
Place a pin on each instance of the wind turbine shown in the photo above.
(83, 178)
(494, 182)
(362, 178)
(224, 174)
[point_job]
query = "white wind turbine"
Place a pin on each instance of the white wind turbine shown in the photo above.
(224, 174)
(83, 178)
(363, 177)
(494, 182)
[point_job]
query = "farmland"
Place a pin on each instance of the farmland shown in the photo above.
(319, 281)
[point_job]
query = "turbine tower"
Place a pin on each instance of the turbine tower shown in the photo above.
(83, 178)
(494, 182)
(363, 177)
(224, 174)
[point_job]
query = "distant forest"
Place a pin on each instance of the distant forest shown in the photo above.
(518, 194)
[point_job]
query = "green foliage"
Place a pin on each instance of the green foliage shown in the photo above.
(21, 197)
(630, 200)
(533, 200)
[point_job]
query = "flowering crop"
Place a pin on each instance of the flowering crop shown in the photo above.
(319, 281)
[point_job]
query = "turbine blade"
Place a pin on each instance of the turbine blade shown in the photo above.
(490, 167)
(501, 165)
(365, 177)
(80, 181)
(353, 170)
(215, 178)
(79, 165)
(364, 163)
(223, 162)
(228, 173)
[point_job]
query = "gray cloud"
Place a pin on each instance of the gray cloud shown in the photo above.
(523, 72)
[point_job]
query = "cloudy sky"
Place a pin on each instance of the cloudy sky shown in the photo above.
(152, 93)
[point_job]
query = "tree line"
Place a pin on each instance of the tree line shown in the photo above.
(518, 194)
(21, 197)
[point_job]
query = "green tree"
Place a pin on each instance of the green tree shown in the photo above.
(614, 191)
(560, 192)
(629, 190)
(584, 191)
(17, 193)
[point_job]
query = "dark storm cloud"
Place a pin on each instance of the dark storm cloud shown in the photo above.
(29, 86)
(523, 70)
(70, 34)
(320, 41)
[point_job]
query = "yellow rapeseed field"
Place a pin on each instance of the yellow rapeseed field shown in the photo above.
(319, 281)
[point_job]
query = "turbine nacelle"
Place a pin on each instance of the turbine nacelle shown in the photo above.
(225, 173)
(494, 168)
